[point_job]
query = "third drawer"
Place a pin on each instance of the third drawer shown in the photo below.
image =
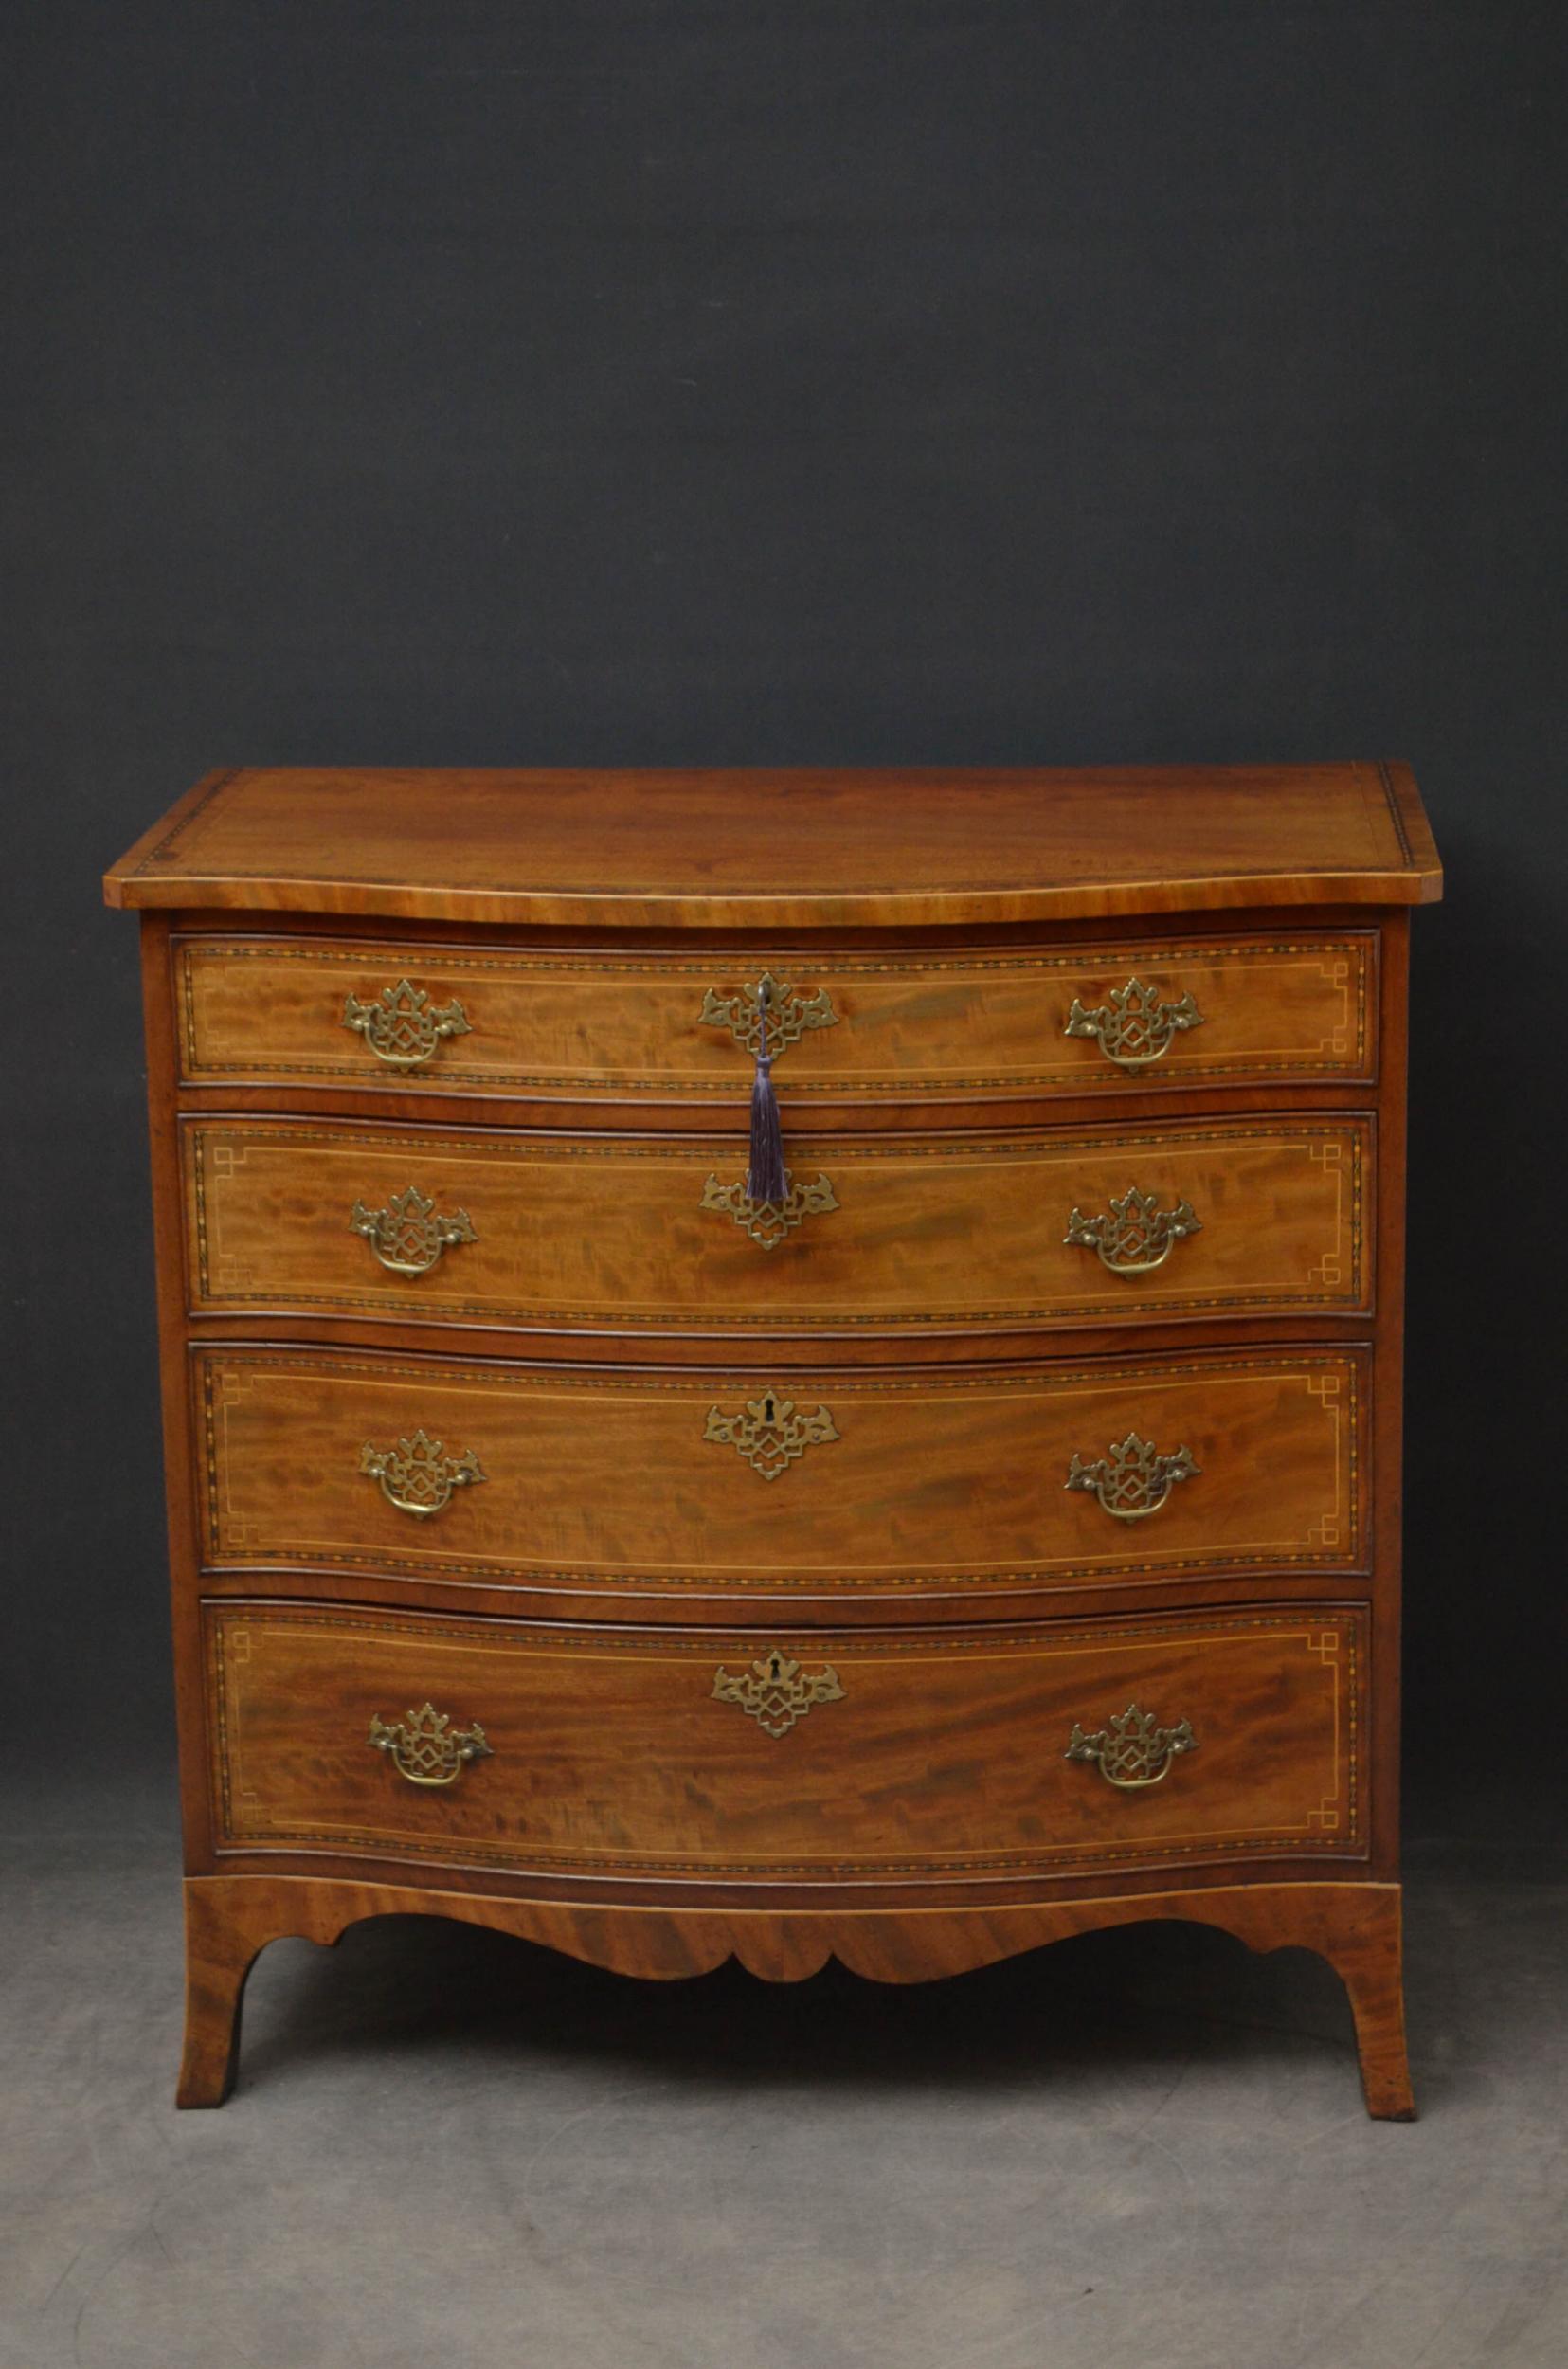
(938, 1480)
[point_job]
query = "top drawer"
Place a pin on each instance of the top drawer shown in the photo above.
(535, 1022)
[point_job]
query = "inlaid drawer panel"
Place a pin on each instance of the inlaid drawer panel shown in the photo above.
(1192, 1218)
(1083, 1019)
(978, 1752)
(431, 1468)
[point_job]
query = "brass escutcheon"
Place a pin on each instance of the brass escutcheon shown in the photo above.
(426, 1748)
(1132, 1751)
(770, 1432)
(768, 1222)
(1131, 1480)
(775, 1692)
(403, 1028)
(788, 1015)
(1137, 1027)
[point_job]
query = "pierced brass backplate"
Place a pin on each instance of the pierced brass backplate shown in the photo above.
(1131, 1478)
(1137, 1027)
(407, 1235)
(775, 1692)
(403, 1028)
(1132, 1751)
(770, 1433)
(1135, 1235)
(417, 1476)
(768, 1222)
(426, 1748)
(789, 1015)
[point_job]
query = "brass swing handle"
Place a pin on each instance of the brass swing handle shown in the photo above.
(408, 1235)
(1132, 1479)
(1137, 1027)
(424, 1746)
(1134, 1236)
(417, 1476)
(402, 1027)
(1133, 1751)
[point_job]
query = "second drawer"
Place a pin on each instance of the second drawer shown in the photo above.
(824, 1480)
(1190, 1219)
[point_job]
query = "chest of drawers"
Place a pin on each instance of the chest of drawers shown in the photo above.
(785, 1363)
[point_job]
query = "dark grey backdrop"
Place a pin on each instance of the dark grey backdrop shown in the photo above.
(762, 380)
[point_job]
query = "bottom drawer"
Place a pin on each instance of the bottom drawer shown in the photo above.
(826, 1755)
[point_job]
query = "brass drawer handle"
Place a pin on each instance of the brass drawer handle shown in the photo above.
(1137, 1027)
(768, 1222)
(403, 1028)
(1131, 1480)
(770, 1432)
(1135, 1235)
(426, 1748)
(406, 1236)
(417, 1476)
(1132, 1751)
(775, 1692)
(788, 1015)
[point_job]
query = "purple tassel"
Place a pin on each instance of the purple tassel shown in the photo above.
(767, 1179)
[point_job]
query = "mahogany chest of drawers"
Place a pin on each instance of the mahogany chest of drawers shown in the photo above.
(785, 1363)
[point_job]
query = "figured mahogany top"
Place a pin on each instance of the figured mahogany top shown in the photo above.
(777, 849)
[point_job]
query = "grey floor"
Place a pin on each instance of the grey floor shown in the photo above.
(449, 2150)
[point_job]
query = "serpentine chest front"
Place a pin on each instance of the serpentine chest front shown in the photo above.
(785, 1363)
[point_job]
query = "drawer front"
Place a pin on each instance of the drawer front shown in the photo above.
(984, 1752)
(1142, 1013)
(825, 1481)
(1182, 1220)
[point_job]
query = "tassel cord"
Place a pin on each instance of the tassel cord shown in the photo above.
(766, 1178)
